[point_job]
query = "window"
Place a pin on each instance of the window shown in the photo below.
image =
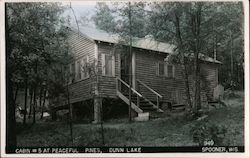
(170, 71)
(108, 65)
(161, 69)
(79, 70)
(85, 70)
(166, 70)
(72, 73)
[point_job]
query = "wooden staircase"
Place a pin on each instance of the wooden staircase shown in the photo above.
(139, 103)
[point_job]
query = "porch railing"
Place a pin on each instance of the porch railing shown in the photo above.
(157, 95)
(120, 82)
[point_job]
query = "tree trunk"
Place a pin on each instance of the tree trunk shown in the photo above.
(34, 106)
(35, 88)
(70, 114)
(130, 63)
(31, 98)
(102, 128)
(10, 105)
(182, 60)
(40, 96)
(232, 65)
(25, 100)
(44, 99)
(16, 93)
(196, 21)
(97, 110)
(187, 86)
(11, 120)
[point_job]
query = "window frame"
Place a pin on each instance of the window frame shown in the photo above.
(173, 71)
(104, 65)
(72, 71)
(83, 64)
(166, 71)
(74, 76)
(78, 68)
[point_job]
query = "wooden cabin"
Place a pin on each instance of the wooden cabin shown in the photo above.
(153, 80)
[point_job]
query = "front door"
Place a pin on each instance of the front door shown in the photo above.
(124, 71)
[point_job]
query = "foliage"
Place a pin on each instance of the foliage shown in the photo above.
(103, 18)
(208, 134)
(36, 51)
(221, 33)
(114, 18)
(38, 41)
(221, 30)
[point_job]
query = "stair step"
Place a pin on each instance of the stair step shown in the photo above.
(142, 117)
(155, 115)
(178, 105)
(143, 101)
(148, 108)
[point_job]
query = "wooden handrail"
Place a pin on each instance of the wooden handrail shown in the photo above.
(137, 93)
(149, 88)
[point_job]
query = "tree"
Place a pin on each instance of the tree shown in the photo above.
(103, 17)
(114, 18)
(171, 21)
(190, 25)
(35, 42)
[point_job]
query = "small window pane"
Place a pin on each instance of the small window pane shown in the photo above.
(79, 70)
(170, 71)
(85, 70)
(161, 69)
(108, 65)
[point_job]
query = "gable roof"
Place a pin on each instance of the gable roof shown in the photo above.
(147, 43)
(144, 43)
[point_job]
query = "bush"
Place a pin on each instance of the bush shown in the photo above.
(208, 134)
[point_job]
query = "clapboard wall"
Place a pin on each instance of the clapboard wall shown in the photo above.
(172, 89)
(210, 73)
(146, 71)
(81, 46)
(108, 83)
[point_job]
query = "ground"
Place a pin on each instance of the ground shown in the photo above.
(173, 130)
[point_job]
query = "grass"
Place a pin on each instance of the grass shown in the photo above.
(168, 131)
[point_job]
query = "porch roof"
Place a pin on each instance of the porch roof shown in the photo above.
(147, 43)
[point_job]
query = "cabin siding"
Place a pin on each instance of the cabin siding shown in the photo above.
(146, 71)
(81, 46)
(210, 71)
(172, 89)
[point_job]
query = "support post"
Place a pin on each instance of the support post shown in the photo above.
(117, 85)
(157, 99)
(130, 62)
(97, 109)
(138, 101)
(71, 122)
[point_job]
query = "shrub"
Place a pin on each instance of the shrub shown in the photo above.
(208, 134)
